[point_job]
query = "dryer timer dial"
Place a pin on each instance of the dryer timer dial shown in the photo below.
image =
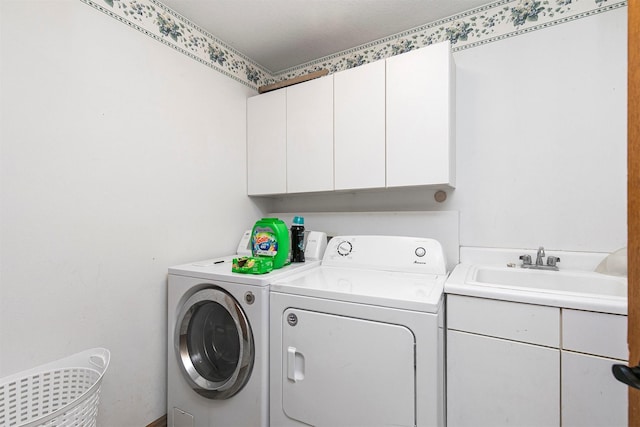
(344, 248)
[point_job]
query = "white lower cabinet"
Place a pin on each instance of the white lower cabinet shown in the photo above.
(516, 364)
(591, 344)
(591, 396)
(494, 382)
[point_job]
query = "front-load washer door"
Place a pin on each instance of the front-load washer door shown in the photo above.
(214, 343)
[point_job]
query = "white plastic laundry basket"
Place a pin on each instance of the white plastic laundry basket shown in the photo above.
(61, 393)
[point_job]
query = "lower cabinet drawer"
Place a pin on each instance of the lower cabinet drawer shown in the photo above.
(595, 333)
(528, 323)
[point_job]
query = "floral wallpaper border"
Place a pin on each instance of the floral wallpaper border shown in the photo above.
(495, 21)
(492, 22)
(174, 30)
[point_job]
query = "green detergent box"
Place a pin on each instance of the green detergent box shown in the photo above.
(250, 265)
(270, 239)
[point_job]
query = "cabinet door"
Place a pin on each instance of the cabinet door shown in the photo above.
(310, 136)
(420, 112)
(359, 107)
(495, 382)
(267, 143)
(591, 396)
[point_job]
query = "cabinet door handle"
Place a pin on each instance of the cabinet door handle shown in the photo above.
(629, 376)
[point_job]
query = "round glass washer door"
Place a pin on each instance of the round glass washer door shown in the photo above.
(214, 343)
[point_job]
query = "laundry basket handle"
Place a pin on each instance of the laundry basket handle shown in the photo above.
(98, 360)
(99, 357)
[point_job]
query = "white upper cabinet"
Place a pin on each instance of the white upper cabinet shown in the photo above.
(359, 120)
(420, 117)
(267, 143)
(389, 123)
(310, 136)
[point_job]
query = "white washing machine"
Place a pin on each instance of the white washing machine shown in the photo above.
(218, 341)
(359, 341)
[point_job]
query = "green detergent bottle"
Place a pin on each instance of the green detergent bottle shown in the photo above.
(270, 238)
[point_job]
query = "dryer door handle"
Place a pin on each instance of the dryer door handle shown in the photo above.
(295, 364)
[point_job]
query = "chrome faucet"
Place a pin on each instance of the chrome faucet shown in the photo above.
(539, 256)
(539, 265)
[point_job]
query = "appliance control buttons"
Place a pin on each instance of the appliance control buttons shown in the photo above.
(420, 251)
(344, 248)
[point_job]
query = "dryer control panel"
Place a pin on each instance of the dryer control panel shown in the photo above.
(386, 253)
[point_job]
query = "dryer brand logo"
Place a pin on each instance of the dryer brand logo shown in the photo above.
(419, 262)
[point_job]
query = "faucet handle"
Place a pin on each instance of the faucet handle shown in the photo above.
(552, 260)
(526, 259)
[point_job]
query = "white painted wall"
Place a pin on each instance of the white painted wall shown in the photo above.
(119, 158)
(541, 143)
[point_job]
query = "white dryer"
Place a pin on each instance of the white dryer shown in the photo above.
(218, 341)
(359, 341)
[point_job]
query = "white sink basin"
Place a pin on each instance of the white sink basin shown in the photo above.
(582, 290)
(551, 281)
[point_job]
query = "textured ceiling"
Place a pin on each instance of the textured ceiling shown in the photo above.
(279, 34)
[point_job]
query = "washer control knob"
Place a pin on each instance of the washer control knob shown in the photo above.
(420, 251)
(249, 298)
